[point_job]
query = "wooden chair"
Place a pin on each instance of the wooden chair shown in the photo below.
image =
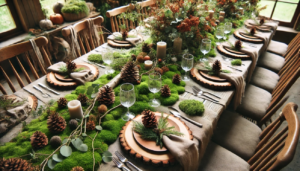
(84, 36)
(9, 52)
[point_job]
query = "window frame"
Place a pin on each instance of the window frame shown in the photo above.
(16, 31)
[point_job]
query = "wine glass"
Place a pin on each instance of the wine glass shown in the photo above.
(187, 64)
(127, 99)
(205, 48)
(108, 58)
(219, 33)
(154, 85)
(227, 29)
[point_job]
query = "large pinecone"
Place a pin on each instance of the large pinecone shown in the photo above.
(238, 45)
(14, 164)
(149, 120)
(56, 123)
(176, 79)
(253, 30)
(130, 73)
(38, 140)
(146, 48)
(90, 125)
(71, 66)
(217, 66)
(62, 102)
(165, 91)
(77, 168)
(106, 95)
(82, 98)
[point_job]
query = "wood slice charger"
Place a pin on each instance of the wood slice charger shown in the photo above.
(258, 27)
(147, 150)
(232, 53)
(119, 43)
(57, 80)
(247, 38)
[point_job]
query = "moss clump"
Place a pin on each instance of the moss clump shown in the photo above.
(143, 88)
(236, 62)
(107, 136)
(75, 7)
(191, 107)
(95, 58)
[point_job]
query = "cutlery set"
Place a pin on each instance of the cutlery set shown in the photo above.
(120, 163)
(44, 94)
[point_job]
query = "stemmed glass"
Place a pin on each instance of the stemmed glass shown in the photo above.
(205, 48)
(227, 29)
(154, 85)
(219, 33)
(108, 58)
(187, 64)
(127, 99)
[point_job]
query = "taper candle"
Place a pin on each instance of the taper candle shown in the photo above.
(161, 50)
(222, 13)
(177, 45)
(211, 14)
(148, 64)
(75, 109)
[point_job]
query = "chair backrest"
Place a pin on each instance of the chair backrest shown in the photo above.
(9, 52)
(276, 150)
(84, 35)
(293, 43)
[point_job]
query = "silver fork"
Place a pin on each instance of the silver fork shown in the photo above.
(120, 164)
(125, 160)
(201, 91)
(45, 95)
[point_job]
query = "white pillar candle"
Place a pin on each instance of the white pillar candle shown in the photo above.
(148, 64)
(211, 14)
(221, 18)
(75, 109)
(177, 45)
(161, 50)
(222, 13)
(241, 11)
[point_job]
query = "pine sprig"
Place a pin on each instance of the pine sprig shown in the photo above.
(210, 70)
(64, 69)
(6, 103)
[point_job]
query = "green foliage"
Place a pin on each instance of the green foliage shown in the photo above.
(143, 88)
(236, 62)
(8, 102)
(95, 58)
(75, 7)
(192, 107)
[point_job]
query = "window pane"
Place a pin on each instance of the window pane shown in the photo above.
(7, 21)
(294, 1)
(2, 2)
(284, 11)
(268, 11)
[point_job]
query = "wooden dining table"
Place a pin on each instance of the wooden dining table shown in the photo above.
(214, 108)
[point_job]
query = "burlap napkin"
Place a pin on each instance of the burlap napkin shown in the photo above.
(133, 41)
(81, 77)
(268, 23)
(264, 37)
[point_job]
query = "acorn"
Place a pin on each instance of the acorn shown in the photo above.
(102, 109)
(55, 141)
(140, 59)
(146, 58)
(159, 60)
(73, 123)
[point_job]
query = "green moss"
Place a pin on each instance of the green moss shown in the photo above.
(75, 7)
(168, 101)
(70, 97)
(191, 107)
(107, 136)
(109, 117)
(95, 58)
(236, 62)
(143, 88)
(112, 125)
(138, 107)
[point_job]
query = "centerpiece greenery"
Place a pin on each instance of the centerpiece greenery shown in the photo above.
(191, 107)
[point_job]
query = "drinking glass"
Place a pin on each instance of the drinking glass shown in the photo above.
(219, 33)
(108, 58)
(154, 85)
(205, 48)
(227, 29)
(187, 64)
(127, 99)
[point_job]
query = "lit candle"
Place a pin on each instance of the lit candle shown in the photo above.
(177, 45)
(148, 64)
(241, 11)
(161, 50)
(221, 18)
(211, 13)
(75, 109)
(222, 13)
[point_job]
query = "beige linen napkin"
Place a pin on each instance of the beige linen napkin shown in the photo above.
(264, 37)
(269, 23)
(133, 41)
(80, 77)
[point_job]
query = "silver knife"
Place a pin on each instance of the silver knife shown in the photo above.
(102, 66)
(45, 87)
(235, 68)
(177, 114)
(30, 92)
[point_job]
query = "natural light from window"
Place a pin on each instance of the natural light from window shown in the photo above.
(7, 22)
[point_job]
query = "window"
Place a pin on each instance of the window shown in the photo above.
(285, 11)
(9, 22)
(48, 4)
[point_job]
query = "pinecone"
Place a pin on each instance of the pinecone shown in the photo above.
(165, 91)
(73, 124)
(253, 30)
(38, 140)
(149, 120)
(262, 21)
(77, 168)
(13, 164)
(217, 66)
(146, 48)
(238, 45)
(130, 73)
(55, 141)
(165, 69)
(159, 70)
(62, 102)
(90, 125)
(133, 57)
(56, 123)
(82, 98)
(106, 95)
(176, 79)
(124, 35)
(71, 66)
